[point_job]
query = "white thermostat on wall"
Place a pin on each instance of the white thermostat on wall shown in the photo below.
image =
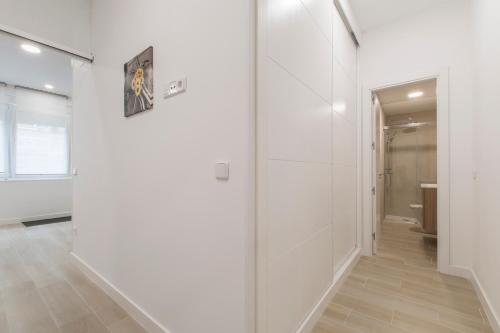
(175, 88)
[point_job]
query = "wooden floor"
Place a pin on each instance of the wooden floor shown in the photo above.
(397, 291)
(41, 292)
(400, 290)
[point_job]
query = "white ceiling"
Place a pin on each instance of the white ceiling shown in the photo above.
(395, 100)
(373, 13)
(17, 67)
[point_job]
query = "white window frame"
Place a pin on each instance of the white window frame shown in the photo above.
(11, 127)
(6, 173)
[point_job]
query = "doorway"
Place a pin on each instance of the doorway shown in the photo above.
(406, 167)
(36, 188)
(409, 164)
(35, 133)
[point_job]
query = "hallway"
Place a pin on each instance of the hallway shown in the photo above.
(400, 291)
(250, 166)
(42, 292)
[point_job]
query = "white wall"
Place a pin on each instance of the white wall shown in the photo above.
(426, 43)
(65, 22)
(151, 217)
(487, 52)
(34, 200)
(306, 128)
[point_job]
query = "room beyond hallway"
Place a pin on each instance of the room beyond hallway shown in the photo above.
(399, 290)
(41, 291)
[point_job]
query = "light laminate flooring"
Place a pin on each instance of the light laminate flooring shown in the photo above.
(400, 291)
(42, 292)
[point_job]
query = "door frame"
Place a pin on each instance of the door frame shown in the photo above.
(443, 162)
(374, 161)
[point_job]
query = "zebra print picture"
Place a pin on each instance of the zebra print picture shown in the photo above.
(139, 83)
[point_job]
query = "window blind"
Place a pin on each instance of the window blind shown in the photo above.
(42, 136)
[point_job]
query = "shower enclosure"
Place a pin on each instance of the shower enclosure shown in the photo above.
(410, 160)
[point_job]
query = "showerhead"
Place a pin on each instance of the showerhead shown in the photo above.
(410, 130)
(405, 126)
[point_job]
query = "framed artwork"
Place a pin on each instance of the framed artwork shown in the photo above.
(139, 92)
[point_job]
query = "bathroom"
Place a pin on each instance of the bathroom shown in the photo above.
(406, 161)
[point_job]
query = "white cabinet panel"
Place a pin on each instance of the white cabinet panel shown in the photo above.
(344, 141)
(295, 42)
(344, 93)
(299, 201)
(298, 121)
(317, 258)
(284, 285)
(344, 49)
(307, 101)
(344, 212)
(298, 280)
(322, 13)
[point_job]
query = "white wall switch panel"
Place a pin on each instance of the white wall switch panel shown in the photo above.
(175, 88)
(222, 170)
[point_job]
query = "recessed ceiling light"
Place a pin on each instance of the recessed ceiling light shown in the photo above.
(31, 48)
(49, 86)
(416, 94)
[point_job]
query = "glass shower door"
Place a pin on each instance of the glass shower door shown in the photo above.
(401, 173)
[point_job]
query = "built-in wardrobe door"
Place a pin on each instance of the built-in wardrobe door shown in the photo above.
(295, 159)
(344, 162)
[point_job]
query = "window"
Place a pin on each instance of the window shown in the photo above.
(34, 136)
(41, 144)
(3, 140)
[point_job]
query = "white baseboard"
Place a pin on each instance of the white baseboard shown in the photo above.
(463, 272)
(309, 323)
(152, 326)
(134, 310)
(493, 317)
(33, 218)
(469, 274)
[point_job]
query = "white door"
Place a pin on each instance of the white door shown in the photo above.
(378, 170)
